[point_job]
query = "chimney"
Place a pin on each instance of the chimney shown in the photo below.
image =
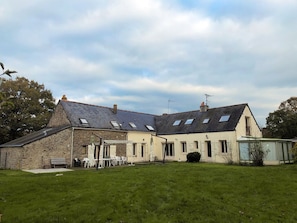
(203, 107)
(115, 108)
(64, 98)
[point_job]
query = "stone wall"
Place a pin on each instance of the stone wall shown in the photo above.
(84, 137)
(10, 158)
(59, 117)
(38, 154)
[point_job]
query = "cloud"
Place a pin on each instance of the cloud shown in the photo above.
(140, 54)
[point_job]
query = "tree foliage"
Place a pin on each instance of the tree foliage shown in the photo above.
(282, 122)
(25, 107)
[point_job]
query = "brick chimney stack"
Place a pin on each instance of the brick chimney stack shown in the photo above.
(115, 108)
(203, 107)
(64, 98)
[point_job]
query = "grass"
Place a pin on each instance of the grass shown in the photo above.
(174, 192)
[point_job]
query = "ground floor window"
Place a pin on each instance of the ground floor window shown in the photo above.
(184, 147)
(208, 144)
(196, 144)
(134, 150)
(224, 146)
(106, 151)
(142, 150)
(169, 149)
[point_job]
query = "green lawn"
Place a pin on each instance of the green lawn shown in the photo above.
(174, 192)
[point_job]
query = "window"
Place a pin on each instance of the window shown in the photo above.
(224, 147)
(177, 122)
(106, 151)
(248, 126)
(83, 121)
(189, 121)
(224, 118)
(208, 144)
(115, 124)
(85, 149)
(142, 150)
(168, 149)
(134, 151)
(132, 125)
(184, 147)
(205, 121)
(196, 144)
(149, 127)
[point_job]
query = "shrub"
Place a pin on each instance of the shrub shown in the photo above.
(257, 153)
(193, 157)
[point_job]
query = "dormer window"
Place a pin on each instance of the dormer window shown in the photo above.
(115, 124)
(224, 118)
(149, 127)
(189, 121)
(205, 121)
(132, 125)
(177, 122)
(83, 121)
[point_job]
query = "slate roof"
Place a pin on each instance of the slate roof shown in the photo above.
(100, 117)
(165, 123)
(33, 136)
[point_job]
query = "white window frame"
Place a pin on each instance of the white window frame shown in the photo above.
(224, 146)
(184, 147)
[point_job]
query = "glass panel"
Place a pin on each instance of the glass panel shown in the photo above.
(189, 121)
(177, 122)
(224, 118)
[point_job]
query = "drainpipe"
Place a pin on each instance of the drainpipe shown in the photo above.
(166, 146)
(71, 146)
(101, 142)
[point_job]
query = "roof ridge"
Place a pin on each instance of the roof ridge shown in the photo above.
(198, 110)
(100, 106)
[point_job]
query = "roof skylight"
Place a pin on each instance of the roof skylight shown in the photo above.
(205, 121)
(83, 121)
(132, 125)
(149, 127)
(189, 121)
(177, 122)
(115, 124)
(224, 118)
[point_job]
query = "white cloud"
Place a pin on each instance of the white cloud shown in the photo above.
(122, 51)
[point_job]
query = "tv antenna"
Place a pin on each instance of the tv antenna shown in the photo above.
(206, 98)
(169, 100)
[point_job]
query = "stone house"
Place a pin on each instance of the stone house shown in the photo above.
(78, 130)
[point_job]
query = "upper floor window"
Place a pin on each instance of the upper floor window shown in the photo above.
(115, 124)
(132, 125)
(149, 127)
(189, 121)
(224, 118)
(177, 122)
(83, 121)
(205, 121)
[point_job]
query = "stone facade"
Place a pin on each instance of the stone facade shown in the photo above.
(37, 154)
(10, 158)
(59, 117)
(84, 137)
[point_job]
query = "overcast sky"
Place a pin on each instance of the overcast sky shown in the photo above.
(156, 56)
